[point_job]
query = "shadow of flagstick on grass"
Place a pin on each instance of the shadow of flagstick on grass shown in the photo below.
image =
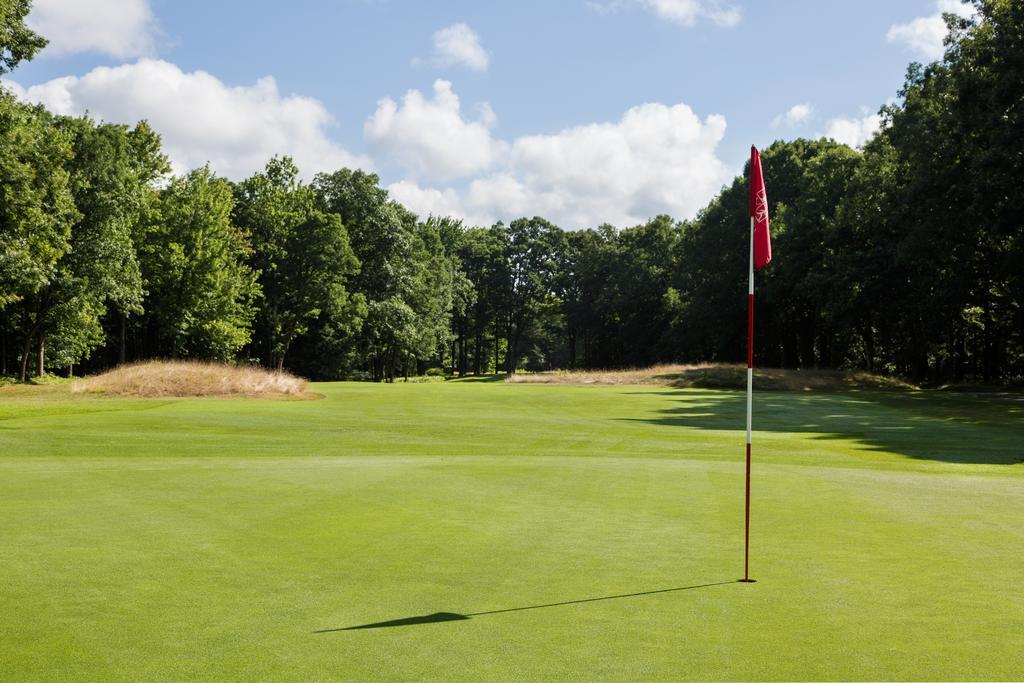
(437, 617)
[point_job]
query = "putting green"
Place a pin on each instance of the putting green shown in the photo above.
(492, 531)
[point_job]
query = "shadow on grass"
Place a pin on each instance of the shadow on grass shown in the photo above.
(438, 617)
(921, 425)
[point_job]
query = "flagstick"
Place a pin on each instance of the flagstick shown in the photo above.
(750, 402)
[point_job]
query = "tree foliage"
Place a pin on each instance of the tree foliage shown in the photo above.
(18, 43)
(302, 255)
(202, 292)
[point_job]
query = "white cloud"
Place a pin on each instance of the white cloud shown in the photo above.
(683, 12)
(655, 159)
(458, 45)
(794, 116)
(686, 12)
(426, 201)
(924, 35)
(119, 28)
(235, 128)
(430, 138)
(854, 131)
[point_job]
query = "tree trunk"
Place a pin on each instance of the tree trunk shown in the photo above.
(509, 370)
(824, 357)
(476, 355)
(919, 352)
(959, 360)
(807, 345)
(284, 351)
(869, 347)
(122, 355)
(24, 358)
(989, 346)
(42, 355)
(511, 357)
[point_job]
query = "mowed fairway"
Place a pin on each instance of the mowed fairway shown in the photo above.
(239, 539)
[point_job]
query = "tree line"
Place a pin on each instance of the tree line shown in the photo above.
(903, 257)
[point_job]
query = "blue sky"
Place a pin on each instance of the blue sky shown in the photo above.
(521, 106)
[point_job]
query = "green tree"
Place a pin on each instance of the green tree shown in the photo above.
(202, 293)
(405, 276)
(635, 297)
(303, 257)
(113, 173)
(97, 267)
(805, 180)
(448, 294)
(869, 220)
(18, 43)
(531, 248)
(37, 213)
(480, 255)
(950, 173)
(710, 278)
(801, 296)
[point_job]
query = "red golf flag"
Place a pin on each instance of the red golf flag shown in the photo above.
(759, 211)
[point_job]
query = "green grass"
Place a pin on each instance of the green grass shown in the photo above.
(182, 539)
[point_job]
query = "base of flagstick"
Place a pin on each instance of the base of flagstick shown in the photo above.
(746, 580)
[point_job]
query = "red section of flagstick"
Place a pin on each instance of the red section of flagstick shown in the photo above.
(746, 538)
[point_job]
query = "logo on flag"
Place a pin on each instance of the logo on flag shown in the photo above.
(761, 207)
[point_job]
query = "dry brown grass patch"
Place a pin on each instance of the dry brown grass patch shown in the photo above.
(193, 378)
(718, 376)
(653, 375)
